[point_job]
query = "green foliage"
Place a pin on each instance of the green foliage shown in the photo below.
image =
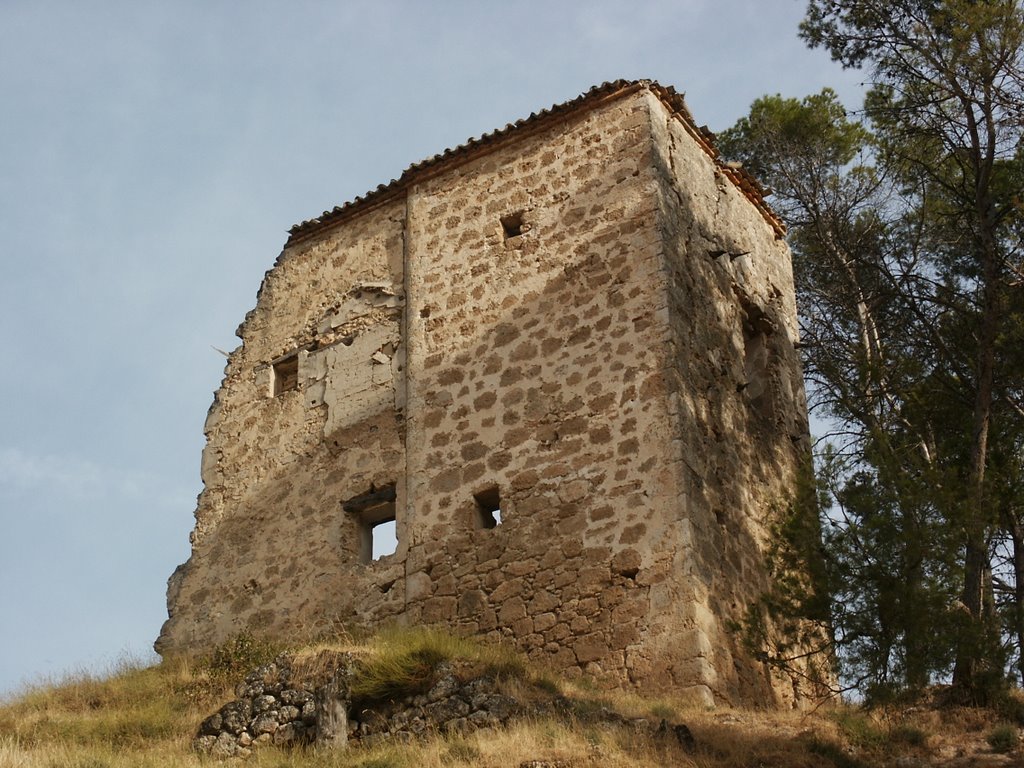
(1003, 738)
(791, 622)
(239, 655)
(1010, 707)
(859, 729)
(891, 576)
(133, 707)
(137, 718)
(225, 666)
(816, 125)
(393, 675)
(906, 230)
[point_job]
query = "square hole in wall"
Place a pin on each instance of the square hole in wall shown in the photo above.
(512, 224)
(488, 507)
(383, 539)
(286, 374)
(375, 513)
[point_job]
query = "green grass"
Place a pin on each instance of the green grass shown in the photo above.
(859, 729)
(403, 663)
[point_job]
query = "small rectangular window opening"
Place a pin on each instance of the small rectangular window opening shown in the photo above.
(488, 507)
(286, 374)
(512, 224)
(375, 512)
(383, 539)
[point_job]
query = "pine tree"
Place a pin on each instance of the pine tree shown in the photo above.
(906, 232)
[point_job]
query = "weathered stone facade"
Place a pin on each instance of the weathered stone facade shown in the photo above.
(583, 320)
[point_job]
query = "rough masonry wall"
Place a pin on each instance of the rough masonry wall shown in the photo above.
(537, 367)
(272, 549)
(737, 396)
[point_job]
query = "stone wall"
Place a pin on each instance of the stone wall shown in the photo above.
(536, 366)
(297, 702)
(736, 395)
(271, 547)
(586, 331)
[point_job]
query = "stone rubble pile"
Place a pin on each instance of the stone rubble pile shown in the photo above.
(288, 704)
(450, 706)
(274, 706)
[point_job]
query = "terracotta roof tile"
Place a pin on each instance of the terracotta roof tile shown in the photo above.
(474, 147)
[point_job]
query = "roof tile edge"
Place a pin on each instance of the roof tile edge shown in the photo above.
(453, 157)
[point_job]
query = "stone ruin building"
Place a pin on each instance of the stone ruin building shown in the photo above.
(561, 358)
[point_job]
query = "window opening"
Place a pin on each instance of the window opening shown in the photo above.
(383, 539)
(286, 374)
(512, 224)
(488, 507)
(378, 531)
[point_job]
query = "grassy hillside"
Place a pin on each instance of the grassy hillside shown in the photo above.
(147, 716)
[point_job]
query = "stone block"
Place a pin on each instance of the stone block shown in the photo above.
(523, 627)
(590, 647)
(627, 562)
(591, 581)
(418, 586)
(511, 611)
(437, 610)
(472, 603)
(507, 589)
(544, 601)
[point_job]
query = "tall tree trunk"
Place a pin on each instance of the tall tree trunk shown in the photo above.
(915, 642)
(1017, 537)
(970, 653)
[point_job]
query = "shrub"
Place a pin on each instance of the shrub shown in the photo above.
(215, 673)
(237, 656)
(1010, 707)
(909, 734)
(1003, 738)
(859, 729)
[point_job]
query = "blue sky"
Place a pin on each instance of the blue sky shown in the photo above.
(153, 156)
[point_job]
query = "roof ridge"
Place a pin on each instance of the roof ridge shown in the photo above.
(472, 147)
